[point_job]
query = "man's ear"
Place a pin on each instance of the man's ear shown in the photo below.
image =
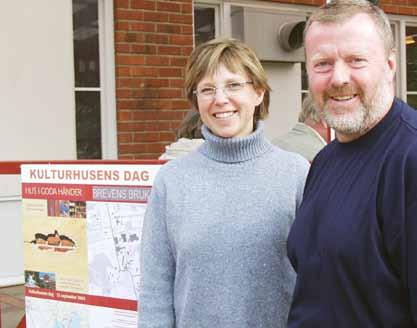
(392, 63)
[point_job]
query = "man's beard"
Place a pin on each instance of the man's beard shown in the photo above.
(370, 111)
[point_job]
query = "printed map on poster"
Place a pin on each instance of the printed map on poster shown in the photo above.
(42, 313)
(82, 232)
(113, 252)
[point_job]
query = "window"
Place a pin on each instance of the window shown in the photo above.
(87, 79)
(411, 54)
(205, 23)
(94, 89)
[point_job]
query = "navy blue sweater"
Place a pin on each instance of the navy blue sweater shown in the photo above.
(354, 241)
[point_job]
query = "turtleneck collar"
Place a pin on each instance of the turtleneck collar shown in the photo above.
(230, 150)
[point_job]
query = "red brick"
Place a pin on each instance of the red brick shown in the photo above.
(121, 26)
(128, 157)
(122, 71)
(181, 40)
(180, 19)
(132, 148)
(187, 8)
(127, 104)
(143, 71)
(171, 115)
(148, 115)
(167, 50)
(143, 4)
(186, 51)
(129, 14)
(146, 137)
(124, 116)
(122, 48)
(128, 82)
(156, 148)
(178, 61)
(121, 4)
(168, 28)
(170, 72)
(150, 16)
(167, 136)
(130, 60)
(125, 138)
(405, 11)
(157, 61)
(143, 49)
(187, 29)
(157, 38)
(176, 83)
(143, 27)
(180, 104)
(168, 6)
(158, 126)
(124, 93)
(130, 126)
(171, 93)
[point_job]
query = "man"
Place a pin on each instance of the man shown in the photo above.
(308, 136)
(354, 241)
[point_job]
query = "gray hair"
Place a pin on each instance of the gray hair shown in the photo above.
(338, 11)
(309, 111)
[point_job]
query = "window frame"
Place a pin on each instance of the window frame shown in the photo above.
(107, 89)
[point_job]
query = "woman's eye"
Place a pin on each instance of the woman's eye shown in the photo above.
(207, 90)
(234, 86)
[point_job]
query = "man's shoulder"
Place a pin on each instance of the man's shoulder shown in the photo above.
(408, 116)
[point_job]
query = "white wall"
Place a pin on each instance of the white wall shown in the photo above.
(285, 81)
(11, 241)
(37, 80)
(37, 105)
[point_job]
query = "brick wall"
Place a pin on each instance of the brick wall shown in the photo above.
(153, 40)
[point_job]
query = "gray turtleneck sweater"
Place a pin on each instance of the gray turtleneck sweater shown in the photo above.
(214, 236)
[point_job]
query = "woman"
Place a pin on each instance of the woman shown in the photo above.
(214, 236)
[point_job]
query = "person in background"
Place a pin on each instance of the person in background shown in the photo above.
(213, 248)
(354, 239)
(308, 135)
(189, 137)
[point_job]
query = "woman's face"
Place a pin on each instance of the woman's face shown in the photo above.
(229, 112)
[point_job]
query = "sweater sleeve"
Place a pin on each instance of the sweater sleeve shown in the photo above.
(411, 231)
(155, 304)
(302, 173)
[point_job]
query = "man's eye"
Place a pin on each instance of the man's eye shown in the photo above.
(322, 66)
(357, 62)
(234, 86)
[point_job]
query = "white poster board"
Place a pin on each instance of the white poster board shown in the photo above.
(81, 232)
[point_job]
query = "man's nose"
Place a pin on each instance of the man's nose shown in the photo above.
(341, 74)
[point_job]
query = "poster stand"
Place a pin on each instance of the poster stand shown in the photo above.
(81, 231)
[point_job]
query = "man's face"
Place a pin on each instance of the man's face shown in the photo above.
(350, 76)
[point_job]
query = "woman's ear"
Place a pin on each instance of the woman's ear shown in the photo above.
(260, 96)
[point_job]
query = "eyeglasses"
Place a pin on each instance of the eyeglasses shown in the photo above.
(229, 90)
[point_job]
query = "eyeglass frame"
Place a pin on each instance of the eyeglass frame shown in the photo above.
(242, 85)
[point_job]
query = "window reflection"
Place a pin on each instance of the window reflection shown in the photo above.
(86, 47)
(411, 44)
(87, 78)
(88, 125)
(204, 24)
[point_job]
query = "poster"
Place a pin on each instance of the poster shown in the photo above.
(81, 232)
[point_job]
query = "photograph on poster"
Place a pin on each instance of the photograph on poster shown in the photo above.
(36, 279)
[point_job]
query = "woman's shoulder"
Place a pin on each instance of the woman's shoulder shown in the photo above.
(290, 159)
